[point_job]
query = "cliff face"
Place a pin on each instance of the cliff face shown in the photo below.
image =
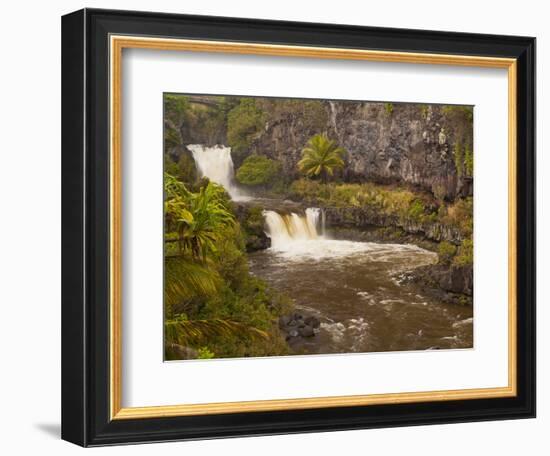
(410, 143)
(363, 218)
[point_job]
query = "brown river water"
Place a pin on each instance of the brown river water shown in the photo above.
(356, 290)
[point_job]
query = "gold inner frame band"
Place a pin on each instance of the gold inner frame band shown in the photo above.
(117, 44)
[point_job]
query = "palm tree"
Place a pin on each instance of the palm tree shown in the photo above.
(185, 279)
(194, 332)
(195, 223)
(321, 157)
(197, 219)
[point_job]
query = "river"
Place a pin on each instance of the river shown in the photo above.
(356, 290)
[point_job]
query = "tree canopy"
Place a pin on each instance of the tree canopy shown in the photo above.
(258, 170)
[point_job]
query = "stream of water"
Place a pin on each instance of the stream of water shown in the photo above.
(354, 288)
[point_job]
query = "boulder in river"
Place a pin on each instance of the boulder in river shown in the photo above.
(297, 325)
(312, 321)
(306, 331)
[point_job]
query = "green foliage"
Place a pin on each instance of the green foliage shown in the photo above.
(321, 157)
(464, 159)
(460, 214)
(196, 218)
(399, 203)
(439, 191)
(468, 160)
(389, 108)
(186, 332)
(244, 122)
(416, 210)
(198, 119)
(185, 279)
(211, 300)
(205, 353)
(465, 255)
(458, 121)
(175, 111)
(172, 137)
(309, 115)
(446, 251)
(252, 223)
(390, 201)
(175, 106)
(185, 169)
(467, 112)
(254, 220)
(258, 170)
(170, 166)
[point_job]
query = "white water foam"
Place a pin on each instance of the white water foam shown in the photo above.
(301, 237)
(216, 163)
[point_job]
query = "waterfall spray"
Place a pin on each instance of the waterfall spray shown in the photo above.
(283, 229)
(216, 164)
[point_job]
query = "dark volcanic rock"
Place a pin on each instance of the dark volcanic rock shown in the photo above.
(293, 333)
(453, 283)
(386, 142)
(252, 222)
(306, 331)
(297, 325)
(257, 242)
(312, 321)
(364, 218)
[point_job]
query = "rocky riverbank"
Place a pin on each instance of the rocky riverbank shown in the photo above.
(366, 218)
(450, 283)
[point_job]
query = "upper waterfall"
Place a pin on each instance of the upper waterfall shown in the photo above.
(216, 164)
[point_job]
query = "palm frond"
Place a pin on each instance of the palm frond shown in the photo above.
(197, 332)
(184, 279)
(197, 218)
(321, 156)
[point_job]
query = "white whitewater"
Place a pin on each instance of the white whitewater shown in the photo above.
(287, 228)
(216, 163)
(298, 237)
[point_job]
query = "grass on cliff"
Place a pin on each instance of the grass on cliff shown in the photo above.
(402, 203)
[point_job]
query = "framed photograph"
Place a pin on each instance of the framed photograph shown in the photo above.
(278, 227)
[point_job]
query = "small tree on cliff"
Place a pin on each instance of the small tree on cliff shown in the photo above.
(321, 157)
(258, 171)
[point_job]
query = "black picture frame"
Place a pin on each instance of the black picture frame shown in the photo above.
(85, 225)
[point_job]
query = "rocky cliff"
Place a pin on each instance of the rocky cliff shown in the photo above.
(365, 218)
(423, 145)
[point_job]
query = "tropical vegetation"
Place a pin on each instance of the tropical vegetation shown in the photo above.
(214, 307)
(212, 304)
(321, 157)
(258, 171)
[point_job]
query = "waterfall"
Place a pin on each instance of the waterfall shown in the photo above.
(216, 164)
(316, 219)
(333, 117)
(284, 229)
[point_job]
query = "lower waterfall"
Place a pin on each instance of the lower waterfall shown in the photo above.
(285, 228)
